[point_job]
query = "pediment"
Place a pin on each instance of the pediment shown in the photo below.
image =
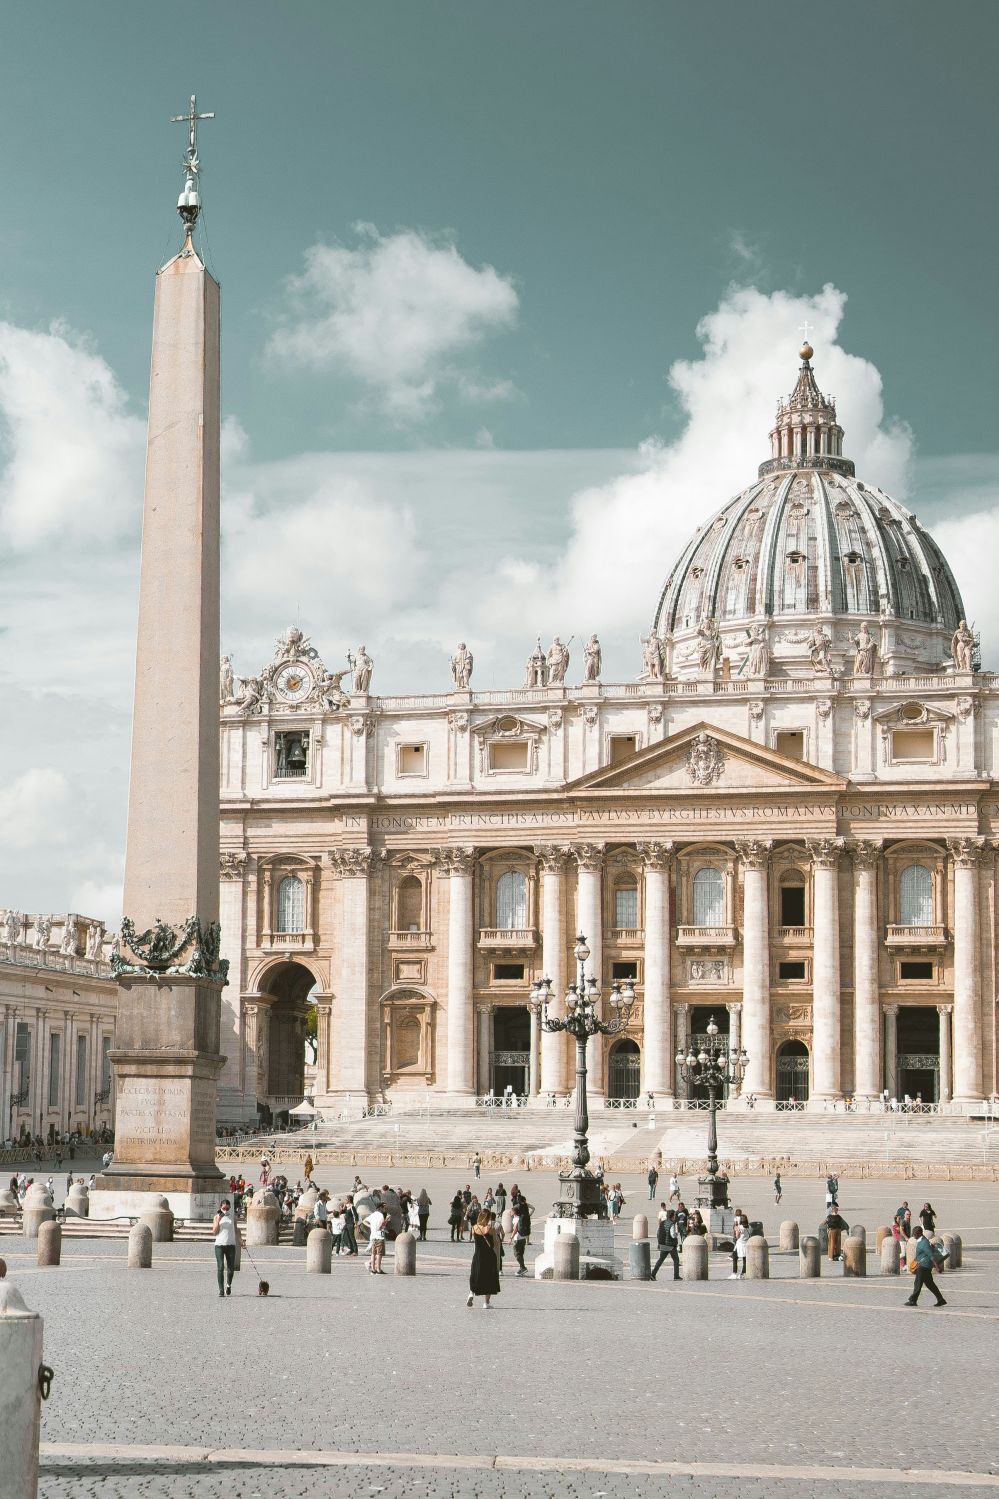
(509, 726)
(703, 758)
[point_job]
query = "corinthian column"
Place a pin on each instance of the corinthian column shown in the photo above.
(657, 1042)
(589, 911)
(754, 854)
(967, 972)
(458, 865)
(354, 1038)
(825, 854)
(866, 1003)
(553, 861)
(945, 1064)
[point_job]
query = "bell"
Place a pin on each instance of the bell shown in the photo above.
(296, 755)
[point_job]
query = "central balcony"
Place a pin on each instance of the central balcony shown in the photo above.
(411, 941)
(507, 939)
(705, 936)
(916, 938)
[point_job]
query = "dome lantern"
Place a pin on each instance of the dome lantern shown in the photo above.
(806, 433)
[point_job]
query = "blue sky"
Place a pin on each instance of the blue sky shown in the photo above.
(508, 295)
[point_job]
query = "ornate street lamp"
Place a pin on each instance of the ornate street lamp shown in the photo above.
(714, 1068)
(17, 1101)
(580, 1191)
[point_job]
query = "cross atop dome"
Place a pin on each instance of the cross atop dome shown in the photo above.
(806, 433)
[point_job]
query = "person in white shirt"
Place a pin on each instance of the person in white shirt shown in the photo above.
(226, 1233)
(674, 1188)
(376, 1227)
(321, 1212)
(739, 1252)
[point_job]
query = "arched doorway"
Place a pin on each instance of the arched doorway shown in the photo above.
(792, 1072)
(290, 987)
(625, 1070)
(511, 1052)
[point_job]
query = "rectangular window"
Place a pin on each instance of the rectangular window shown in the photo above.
(915, 968)
(790, 742)
(626, 906)
(412, 759)
(913, 744)
(291, 755)
(508, 973)
(622, 746)
(55, 1057)
(626, 970)
(792, 905)
(791, 970)
(105, 1063)
(22, 1057)
(81, 1072)
(508, 756)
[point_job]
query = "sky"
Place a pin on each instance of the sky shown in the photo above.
(509, 293)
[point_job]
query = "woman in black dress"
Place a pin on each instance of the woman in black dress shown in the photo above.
(457, 1216)
(484, 1277)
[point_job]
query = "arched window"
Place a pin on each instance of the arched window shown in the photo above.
(291, 905)
(626, 904)
(915, 896)
(410, 912)
(709, 898)
(511, 901)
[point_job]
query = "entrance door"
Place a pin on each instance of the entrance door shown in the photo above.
(792, 1072)
(625, 1070)
(917, 1065)
(511, 1055)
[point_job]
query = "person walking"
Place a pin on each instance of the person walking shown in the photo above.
(350, 1222)
(739, 1253)
(653, 1179)
(928, 1219)
(501, 1199)
(778, 1188)
(521, 1233)
(837, 1226)
(926, 1260)
(674, 1188)
(376, 1226)
(483, 1279)
(456, 1218)
(477, 1165)
(308, 1168)
(667, 1240)
(423, 1206)
(226, 1233)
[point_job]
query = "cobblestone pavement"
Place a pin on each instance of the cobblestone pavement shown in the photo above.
(789, 1381)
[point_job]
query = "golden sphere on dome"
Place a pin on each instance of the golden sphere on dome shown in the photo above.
(806, 351)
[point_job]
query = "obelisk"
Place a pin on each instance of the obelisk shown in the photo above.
(167, 1054)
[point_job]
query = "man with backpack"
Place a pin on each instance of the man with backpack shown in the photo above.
(668, 1241)
(926, 1259)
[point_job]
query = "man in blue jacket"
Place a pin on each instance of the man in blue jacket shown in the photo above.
(924, 1269)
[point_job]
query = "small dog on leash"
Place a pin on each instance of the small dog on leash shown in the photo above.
(263, 1288)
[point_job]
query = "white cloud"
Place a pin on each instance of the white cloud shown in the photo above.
(397, 312)
(35, 810)
(70, 452)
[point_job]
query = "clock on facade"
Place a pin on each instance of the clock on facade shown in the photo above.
(294, 683)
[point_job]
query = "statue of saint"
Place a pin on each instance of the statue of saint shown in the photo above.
(758, 660)
(819, 646)
(333, 693)
(95, 937)
(652, 657)
(461, 665)
(558, 663)
(537, 668)
(251, 690)
(592, 660)
(863, 660)
(362, 667)
(226, 681)
(71, 937)
(962, 647)
(12, 927)
(709, 646)
(43, 930)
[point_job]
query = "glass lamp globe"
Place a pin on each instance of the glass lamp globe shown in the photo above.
(581, 952)
(712, 1027)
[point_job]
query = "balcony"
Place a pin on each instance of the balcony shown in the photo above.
(705, 936)
(411, 941)
(794, 936)
(289, 942)
(915, 938)
(507, 939)
(628, 935)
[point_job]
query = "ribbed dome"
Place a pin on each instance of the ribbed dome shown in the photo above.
(809, 539)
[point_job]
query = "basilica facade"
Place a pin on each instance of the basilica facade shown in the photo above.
(786, 821)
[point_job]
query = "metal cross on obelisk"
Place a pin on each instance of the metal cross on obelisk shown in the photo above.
(189, 202)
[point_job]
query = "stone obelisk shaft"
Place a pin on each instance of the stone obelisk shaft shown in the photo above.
(172, 857)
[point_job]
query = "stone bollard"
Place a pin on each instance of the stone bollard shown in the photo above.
(890, 1254)
(694, 1257)
(77, 1201)
(20, 1402)
(565, 1258)
(299, 1233)
(858, 1231)
(319, 1252)
(639, 1227)
(49, 1243)
(307, 1202)
(757, 1258)
(823, 1238)
(953, 1243)
(810, 1258)
(405, 1254)
(854, 1255)
(160, 1220)
(640, 1260)
(262, 1221)
(140, 1247)
(882, 1233)
(9, 1205)
(38, 1209)
(507, 1221)
(788, 1235)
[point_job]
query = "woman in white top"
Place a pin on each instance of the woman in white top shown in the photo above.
(739, 1252)
(226, 1233)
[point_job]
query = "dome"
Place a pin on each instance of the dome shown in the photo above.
(809, 542)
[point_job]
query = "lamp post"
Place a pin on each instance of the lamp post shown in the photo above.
(580, 1191)
(17, 1101)
(714, 1067)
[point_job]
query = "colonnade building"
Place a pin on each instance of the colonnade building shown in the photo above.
(787, 820)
